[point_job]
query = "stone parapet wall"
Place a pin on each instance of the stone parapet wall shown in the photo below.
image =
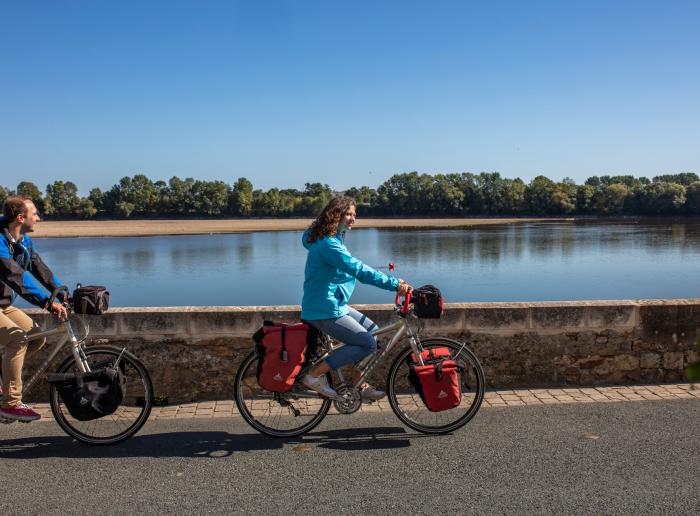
(193, 352)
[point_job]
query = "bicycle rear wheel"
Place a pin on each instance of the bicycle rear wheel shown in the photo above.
(276, 414)
(131, 414)
(408, 405)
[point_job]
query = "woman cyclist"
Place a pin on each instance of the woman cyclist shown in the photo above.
(329, 280)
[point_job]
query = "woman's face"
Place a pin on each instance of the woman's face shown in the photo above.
(348, 218)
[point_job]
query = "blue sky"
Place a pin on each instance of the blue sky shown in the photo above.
(346, 93)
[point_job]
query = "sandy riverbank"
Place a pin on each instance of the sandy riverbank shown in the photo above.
(113, 228)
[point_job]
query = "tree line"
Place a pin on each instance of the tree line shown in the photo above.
(407, 194)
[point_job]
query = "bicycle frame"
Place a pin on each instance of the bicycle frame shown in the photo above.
(69, 338)
(401, 327)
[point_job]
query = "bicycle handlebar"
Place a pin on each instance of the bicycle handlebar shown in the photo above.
(406, 302)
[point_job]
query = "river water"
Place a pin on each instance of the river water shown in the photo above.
(521, 262)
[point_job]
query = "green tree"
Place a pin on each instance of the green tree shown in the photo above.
(365, 197)
(584, 198)
(178, 199)
(610, 200)
(473, 201)
(684, 178)
(593, 181)
(693, 198)
(139, 192)
(85, 209)
(29, 189)
(564, 197)
(241, 198)
(407, 194)
(124, 209)
(538, 195)
(664, 199)
(210, 197)
(4, 194)
(316, 196)
(97, 197)
(61, 199)
(445, 196)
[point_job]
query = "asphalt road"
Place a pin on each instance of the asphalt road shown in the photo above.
(512, 460)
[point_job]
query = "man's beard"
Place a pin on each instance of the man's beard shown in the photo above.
(26, 229)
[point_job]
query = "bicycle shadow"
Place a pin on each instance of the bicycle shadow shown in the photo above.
(206, 444)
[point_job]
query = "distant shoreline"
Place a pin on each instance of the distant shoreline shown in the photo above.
(157, 227)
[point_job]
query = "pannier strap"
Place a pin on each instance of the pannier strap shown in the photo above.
(438, 370)
(283, 354)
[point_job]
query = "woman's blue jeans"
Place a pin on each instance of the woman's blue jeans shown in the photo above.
(353, 330)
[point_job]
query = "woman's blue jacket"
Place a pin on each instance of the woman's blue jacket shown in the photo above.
(330, 276)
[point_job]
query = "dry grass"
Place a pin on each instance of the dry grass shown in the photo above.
(152, 227)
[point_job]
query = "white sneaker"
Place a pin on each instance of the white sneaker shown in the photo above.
(320, 385)
(369, 393)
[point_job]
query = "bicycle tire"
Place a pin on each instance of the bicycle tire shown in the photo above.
(246, 374)
(85, 431)
(466, 359)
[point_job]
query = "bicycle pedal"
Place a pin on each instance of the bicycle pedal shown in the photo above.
(6, 421)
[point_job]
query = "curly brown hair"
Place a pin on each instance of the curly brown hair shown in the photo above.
(328, 221)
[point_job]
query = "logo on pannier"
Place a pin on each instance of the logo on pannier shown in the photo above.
(442, 394)
(278, 378)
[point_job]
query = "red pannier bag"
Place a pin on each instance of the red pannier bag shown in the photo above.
(438, 381)
(281, 351)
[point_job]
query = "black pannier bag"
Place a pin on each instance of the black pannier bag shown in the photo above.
(92, 395)
(427, 302)
(90, 300)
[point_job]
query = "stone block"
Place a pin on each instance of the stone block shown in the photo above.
(590, 362)
(101, 325)
(650, 361)
(604, 369)
(626, 362)
(657, 320)
(152, 324)
(621, 316)
(496, 318)
(557, 317)
(231, 323)
(673, 360)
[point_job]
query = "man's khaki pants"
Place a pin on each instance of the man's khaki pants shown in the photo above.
(14, 327)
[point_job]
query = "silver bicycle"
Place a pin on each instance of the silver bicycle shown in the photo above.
(134, 409)
(299, 410)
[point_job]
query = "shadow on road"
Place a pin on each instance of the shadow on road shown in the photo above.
(206, 444)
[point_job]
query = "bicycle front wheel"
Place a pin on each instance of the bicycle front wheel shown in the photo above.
(286, 414)
(131, 414)
(408, 405)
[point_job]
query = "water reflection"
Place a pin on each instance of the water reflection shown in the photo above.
(137, 260)
(539, 261)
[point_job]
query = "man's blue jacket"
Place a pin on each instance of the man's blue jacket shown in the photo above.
(330, 276)
(19, 261)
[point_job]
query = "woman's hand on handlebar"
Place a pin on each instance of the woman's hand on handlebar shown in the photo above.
(404, 288)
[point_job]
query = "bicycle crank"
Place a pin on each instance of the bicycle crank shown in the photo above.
(348, 400)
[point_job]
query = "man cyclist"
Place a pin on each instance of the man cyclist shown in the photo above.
(19, 265)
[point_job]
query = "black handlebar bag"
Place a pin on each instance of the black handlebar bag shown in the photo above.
(427, 302)
(90, 300)
(91, 395)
